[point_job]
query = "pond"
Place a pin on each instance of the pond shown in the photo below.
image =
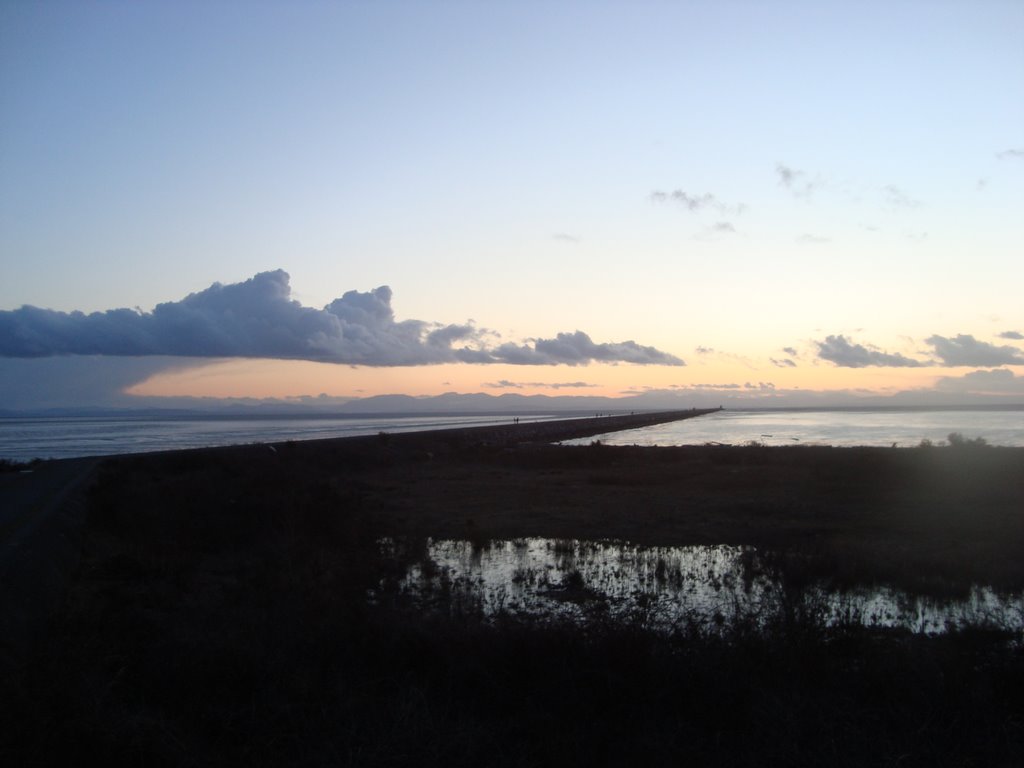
(707, 588)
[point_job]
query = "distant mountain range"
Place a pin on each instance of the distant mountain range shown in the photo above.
(450, 403)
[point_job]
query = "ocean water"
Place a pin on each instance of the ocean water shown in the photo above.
(902, 427)
(63, 438)
(22, 439)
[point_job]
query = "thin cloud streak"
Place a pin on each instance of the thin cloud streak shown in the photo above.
(694, 203)
(564, 237)
(897, 198)
(809, 239)
(506, 384)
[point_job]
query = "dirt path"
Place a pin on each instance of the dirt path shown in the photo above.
(41, 516)
(28, 498)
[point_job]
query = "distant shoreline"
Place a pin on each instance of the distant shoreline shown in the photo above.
(275, 412)
(503, 428)
(493, 434)
(59, 437)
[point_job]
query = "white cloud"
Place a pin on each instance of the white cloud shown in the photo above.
(697, 202)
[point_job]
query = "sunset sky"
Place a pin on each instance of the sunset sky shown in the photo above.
(766, 199)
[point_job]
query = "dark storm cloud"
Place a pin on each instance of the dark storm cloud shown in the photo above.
(964, 349)
(840, 351)
(85, 380)
(258, 319)
(1014, 335)
(696, 203)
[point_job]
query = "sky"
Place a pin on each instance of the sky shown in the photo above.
(788, 201)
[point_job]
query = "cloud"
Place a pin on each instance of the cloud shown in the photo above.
(999, 381)
(506, 384)
(1008, 154)
(807, 239)
(839, 350)
(791, 351)
(258, 319)
(964, 349)
(796, 181)
(960, 350)
(578, 349)
(707, 386)
(696, 203)
(1015, 335)
(787, 176)
(82, 380)
(565, 238)
(723, 226)
(782, 363)
(704, 350)
(897, 198)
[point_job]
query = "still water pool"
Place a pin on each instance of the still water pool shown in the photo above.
(883, 427)
(704, 587)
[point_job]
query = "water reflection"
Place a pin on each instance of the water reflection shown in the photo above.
(706, 587)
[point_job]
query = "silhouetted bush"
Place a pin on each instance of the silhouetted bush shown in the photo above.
(957, 440)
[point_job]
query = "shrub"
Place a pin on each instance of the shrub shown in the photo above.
(957, 440)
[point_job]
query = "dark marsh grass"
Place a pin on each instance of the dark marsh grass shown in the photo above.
(220, 614)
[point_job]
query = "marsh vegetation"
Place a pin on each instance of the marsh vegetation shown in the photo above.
(221, 613)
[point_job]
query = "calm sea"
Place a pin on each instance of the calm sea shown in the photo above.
(883, 427)
(58, 438)
(63, 438)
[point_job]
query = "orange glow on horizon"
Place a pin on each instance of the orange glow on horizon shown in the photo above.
(259, 379)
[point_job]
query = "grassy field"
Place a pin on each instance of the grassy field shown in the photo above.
(219, 615)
